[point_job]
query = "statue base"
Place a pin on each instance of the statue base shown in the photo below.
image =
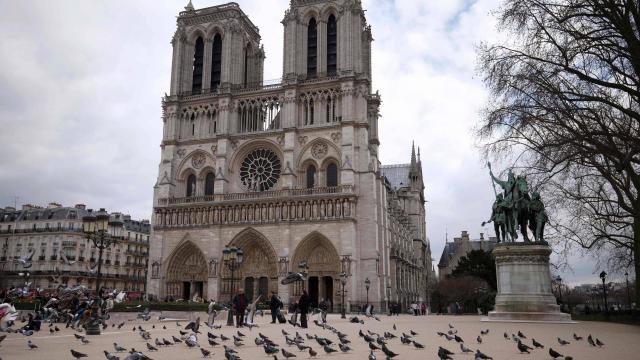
(524, 285)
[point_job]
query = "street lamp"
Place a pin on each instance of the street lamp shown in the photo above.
(367, 284)
(232, 257)
(389, 299)
(626, 275)
(96, 229)
(343, 282)
(603, 276)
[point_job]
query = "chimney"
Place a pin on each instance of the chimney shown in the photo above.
(54, 205)
(81, 206)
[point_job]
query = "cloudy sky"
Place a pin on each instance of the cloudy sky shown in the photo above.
(81, 84)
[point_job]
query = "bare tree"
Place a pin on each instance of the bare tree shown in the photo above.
(565, 100)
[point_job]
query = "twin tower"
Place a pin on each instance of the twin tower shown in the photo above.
(287, 171)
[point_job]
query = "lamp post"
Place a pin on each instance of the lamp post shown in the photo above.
(367, 284)
(343, 282)
(626, 275)
(603, 276)
(232, 257)
(389, 299)
(96, 229)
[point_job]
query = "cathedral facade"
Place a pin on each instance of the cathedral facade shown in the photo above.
(287, 171)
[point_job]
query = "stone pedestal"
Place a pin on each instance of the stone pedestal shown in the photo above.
(524, 285)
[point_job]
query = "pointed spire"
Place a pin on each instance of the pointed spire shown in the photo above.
(189, 6)
(419, 161)
(413, 153)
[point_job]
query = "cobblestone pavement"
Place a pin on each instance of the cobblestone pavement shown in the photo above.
(621, 341)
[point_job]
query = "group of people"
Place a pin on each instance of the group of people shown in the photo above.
(418, 309)
(240, 305)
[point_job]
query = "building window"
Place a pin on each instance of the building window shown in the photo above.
(216, 62)
(191, 185)
(312, 47)
(198, 57)
(260, 170)
(332, 175)
(311, 176)
(208, 184)
(332, 45)
(246, 64)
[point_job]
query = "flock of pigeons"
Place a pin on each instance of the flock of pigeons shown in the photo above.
(333, 340)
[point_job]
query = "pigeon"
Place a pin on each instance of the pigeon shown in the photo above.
(312, 353)
(372, 356)
(451, 326)
(523, 347)
(240, 334)
(599, 343)
(284, 333)
(520, 334)
(444, 354)
(465, 349)
(213, 343)
(413, 332)
(77, 354)
(118, 348)
(344, 348)
(506, 336)
(390, 354)
(84, 340)
(458, 339)
(480, 355)
(563, 342)
(479, 339)
(175, 339)
(223, 338)
(372, 346)
(554, 354)
(31, 345)
(151, 347)
(417, 345)
(166, 342)
(328, 349)
(205, 353)
(194, 325)
(537, 344)
(287, 354)
(484, 332)
(78, 336)
(25, 260)
(576, 337)
(110, 356)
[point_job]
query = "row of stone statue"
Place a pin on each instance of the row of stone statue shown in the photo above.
(515, 210)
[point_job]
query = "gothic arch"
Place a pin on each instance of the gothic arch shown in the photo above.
(260, 261)
(212, 31)
(187, 164)
(186, 271)
(319, 253)
(305, 152)
(311, 13)
(193, 35)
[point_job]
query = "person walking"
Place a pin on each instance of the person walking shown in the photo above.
(211, 310)
(275, 305)
(303, 306)
(239, 304)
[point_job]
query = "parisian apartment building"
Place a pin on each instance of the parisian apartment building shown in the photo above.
(62, 253)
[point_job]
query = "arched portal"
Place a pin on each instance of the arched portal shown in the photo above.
(324, 268)
(260, 262)
(186, 273)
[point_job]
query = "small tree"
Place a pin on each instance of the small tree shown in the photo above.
(480, 264)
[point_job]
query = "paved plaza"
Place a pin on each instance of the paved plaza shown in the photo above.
(621, 341)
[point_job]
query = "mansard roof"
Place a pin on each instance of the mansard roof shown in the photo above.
(397, 175)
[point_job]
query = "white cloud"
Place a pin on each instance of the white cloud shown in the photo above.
(81, 83)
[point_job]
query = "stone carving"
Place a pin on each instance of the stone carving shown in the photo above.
(198, 160)
(319, 150)
(280, 139)
(182, 152)
(283, 265)
(155, 269)
(214, 148)
(302, 140)
(234, 144)
(336, 137)
(213, 267)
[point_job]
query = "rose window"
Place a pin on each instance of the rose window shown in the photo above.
(260, 170)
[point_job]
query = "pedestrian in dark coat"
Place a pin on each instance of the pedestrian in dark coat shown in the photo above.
(239, 304)
(303, 306)
(275, 304)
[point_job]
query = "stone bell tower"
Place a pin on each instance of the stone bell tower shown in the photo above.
(326, 37)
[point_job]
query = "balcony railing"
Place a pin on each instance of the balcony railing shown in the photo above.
(285, 193)
(38, 230)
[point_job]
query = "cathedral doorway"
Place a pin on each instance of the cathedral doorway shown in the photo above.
(186, 273)
(258, 273)
(324, 266)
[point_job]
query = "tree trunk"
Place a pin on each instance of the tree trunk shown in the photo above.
(636, 257)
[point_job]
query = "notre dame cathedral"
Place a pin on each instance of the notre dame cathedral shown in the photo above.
(289, 172)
